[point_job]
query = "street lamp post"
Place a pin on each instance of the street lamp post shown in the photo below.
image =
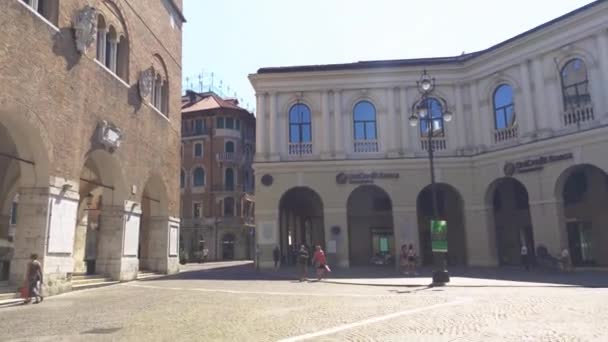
(424, 111)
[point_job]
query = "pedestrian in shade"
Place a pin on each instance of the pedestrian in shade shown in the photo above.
(34, 279)
(525, 261)
(303, 262)
(276, 256)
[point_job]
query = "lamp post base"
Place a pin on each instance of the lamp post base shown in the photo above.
(440, 278)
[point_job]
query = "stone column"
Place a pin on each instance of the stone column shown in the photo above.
(393, 127)
(481, 244)
(339, 127)
(460, 119)
(542, 112)
(337, 217)
(267, 236)
(162, 247)
(260, 134)
(406, 131)
(549, 224)
(325, 143)
(527, 118)
(476, 115)
(602, 46)
(405, 230)
(273, 132)
(80, 237)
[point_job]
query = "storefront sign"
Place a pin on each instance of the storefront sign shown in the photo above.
(534, 164)
(364, 177)
(439, 236)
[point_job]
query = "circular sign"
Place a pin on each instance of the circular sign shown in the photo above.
(509, 169)
(335, 230)
(341, 178)
(267, 180)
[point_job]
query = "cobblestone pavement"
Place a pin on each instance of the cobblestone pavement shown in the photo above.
(232, 302)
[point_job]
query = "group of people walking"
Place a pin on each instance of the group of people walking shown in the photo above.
(408, 260)
(303, 259)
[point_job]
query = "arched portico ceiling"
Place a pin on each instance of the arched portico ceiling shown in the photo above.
(301, 199)
(368, 191)
(155, 192)
(489, 195)
(104, 169)
(563, 177)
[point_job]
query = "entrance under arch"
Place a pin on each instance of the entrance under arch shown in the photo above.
(301, 221)
(512, 220)
(584, 192)
(153, 226)
(449, 208)
(370, 227)
(228, 241)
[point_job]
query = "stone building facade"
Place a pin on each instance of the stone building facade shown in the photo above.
(522, 162)
(89, 137)
(217, 202)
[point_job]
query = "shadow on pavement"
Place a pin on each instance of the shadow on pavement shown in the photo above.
(468, 276)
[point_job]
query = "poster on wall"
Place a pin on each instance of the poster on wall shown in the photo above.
(266, 233)
(173, 241)
(62, 226)
(439, 236)
(131, 235)
(331, 247)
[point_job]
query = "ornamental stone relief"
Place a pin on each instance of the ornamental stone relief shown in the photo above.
(85, 28)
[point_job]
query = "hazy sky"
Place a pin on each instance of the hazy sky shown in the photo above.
(234, 38)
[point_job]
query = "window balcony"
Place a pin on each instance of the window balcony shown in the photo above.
(196, 132)
(366, 146)
(505, 134)
(439, 143)
(579, 114)
(228, 157)
(301, 149)
(248, 189)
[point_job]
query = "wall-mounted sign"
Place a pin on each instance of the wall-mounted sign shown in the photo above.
(364, 177)
(534, 164)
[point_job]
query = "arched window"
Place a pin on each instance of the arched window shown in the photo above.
(199, 177)
(111, 44)
(229, 147)
(300, 128)
(228, 206)
(504, 115)
(182, 179)
(101, 39)
(436, 113)
(364, 118)
(229, 179)
(575, 84)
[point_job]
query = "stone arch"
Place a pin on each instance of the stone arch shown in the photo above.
(153, 224)
(301, 220)
(450, 207)
(582, 191)
(510, 222)
(371, 237)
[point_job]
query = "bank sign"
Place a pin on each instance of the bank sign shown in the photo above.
(364, 177)
(533, 164)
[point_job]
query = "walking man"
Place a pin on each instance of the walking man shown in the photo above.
(524, 257)
(34, 279)
(276, 256)
(303, 262)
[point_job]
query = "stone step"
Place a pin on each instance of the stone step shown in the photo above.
(89, 280)
(148, 275)
(9, 295)
(92, 285)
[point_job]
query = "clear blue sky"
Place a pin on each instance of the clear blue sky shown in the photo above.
(234, 38)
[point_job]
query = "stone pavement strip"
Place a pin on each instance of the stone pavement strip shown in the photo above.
(234, 303)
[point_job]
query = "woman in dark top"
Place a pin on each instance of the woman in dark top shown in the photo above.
(34, 279)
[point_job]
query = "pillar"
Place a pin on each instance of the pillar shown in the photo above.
(602, 46)
(336, 217)
(267, 236)
(526, 119)
(460, 119)
(393, 127)
(273, 133)
(542, 111)
(549, 224)
(325, 143)
(339, 127)
(481, 245)
(80, 242)
(476, 115)
(407, 145)
(405, 230)
(260, 135)
(162, 245)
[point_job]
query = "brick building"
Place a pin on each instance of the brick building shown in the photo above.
(89, 137)
(218, 144)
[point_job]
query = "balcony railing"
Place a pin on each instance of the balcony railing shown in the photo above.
(300, 149)
(579, 114)
(439, 143)
(366, 146)
(196, 132)
(233, 188)
(505, 134)
(228, 157)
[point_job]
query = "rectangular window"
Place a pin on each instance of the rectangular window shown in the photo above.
(229, 123)
(198, 150)
(198, 126)
(14, 214)
(197, 210)
(220, 123)
(238, 124)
